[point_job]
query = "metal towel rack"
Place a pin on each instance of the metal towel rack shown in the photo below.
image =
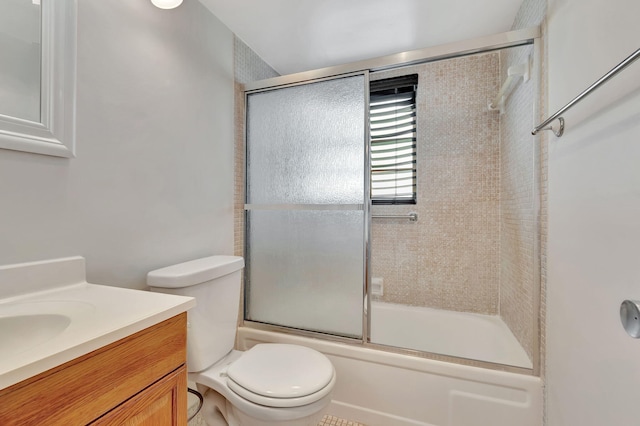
(413, 216)
(545, 124)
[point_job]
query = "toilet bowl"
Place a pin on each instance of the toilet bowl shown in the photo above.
(269, 384)
(259, 389)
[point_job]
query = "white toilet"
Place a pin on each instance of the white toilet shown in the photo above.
(270, 384)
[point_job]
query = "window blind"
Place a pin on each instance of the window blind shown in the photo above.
(392, 112)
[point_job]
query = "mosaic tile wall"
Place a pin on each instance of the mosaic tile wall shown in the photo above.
(449, 258)
(533, 13)
(248, 66)
(518, 202)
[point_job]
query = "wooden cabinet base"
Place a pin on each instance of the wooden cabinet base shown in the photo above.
(162, 404)
(148, 367)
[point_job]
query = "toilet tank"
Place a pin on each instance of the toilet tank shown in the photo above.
(215, 284)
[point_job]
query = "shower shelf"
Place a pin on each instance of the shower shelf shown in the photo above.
(513, 72)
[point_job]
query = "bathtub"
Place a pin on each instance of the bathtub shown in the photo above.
(380, 388)
(460, 334)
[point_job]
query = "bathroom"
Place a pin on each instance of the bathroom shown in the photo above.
(153, 180)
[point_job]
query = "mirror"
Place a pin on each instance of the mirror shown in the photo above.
(37, 76)
(20, 52)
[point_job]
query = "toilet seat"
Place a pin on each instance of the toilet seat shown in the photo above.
(281, 375)
(215, 378)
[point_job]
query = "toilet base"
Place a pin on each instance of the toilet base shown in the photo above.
(246, 420)
(218, 411)
(214, 411)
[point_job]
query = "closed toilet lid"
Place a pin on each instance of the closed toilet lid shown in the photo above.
(281, 371)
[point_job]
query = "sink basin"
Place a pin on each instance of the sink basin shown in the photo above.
(27, 325)
(50, 315)
(21, 332)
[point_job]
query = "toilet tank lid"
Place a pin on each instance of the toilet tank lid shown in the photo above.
(194, 271)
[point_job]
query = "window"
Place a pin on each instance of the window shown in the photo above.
(392, 112)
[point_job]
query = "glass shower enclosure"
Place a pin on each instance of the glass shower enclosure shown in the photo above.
(306, 205)
(454, 276)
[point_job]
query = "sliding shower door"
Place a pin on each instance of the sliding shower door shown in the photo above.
(306, 205)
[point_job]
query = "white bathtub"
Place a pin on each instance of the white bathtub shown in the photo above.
(460, 334)
(381, 388)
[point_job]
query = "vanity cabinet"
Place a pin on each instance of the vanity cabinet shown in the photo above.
(138, 380)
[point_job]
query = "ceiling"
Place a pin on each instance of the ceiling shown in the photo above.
(301, 35)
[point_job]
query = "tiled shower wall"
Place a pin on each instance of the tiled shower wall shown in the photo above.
(473, 247)
(533, 13)
(448, 259)
(524, 185)
(518, 203)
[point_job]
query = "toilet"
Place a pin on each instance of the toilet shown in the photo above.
(269, 384)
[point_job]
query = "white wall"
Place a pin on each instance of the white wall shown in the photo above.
(152, 183)
(594, 215)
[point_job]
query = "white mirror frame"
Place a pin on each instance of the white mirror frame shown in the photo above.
(55, 133)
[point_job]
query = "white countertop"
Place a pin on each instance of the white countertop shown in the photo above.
(87, 317)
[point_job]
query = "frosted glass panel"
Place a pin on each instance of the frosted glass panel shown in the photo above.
(305, 191)
(306, 143)
(305, 269)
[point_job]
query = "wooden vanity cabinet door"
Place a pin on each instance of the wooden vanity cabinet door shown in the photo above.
(162, 404)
